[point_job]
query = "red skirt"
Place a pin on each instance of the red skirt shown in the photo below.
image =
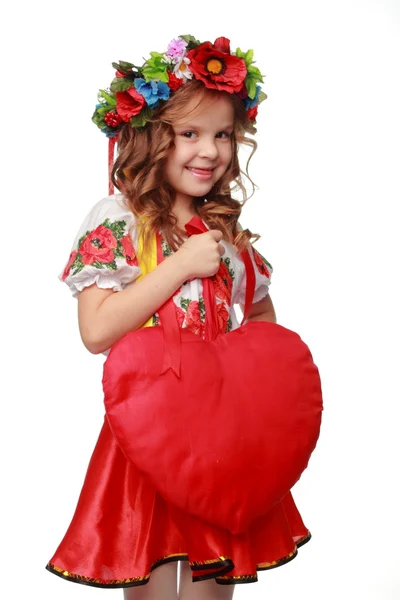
(123, 529)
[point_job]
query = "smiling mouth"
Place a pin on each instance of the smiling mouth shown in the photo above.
(202, 174)
(201, 170)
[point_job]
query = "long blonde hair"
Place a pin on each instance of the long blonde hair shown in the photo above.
(138, 172)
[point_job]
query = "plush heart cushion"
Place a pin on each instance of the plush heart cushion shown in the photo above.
(230, 436)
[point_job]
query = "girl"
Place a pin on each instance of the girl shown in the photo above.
(179, 120)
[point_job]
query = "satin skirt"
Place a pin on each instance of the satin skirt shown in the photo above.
(122, 530)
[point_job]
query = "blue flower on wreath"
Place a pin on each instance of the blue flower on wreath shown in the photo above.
(153, 91)
(252, 102)
(110, 134)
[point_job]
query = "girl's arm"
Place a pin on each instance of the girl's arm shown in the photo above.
(105, 316)
(261, 311)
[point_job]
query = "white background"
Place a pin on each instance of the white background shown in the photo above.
(328, 175)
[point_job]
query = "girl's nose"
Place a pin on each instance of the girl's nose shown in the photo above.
(208, 148)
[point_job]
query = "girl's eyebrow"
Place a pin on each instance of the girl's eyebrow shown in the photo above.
(193, 125)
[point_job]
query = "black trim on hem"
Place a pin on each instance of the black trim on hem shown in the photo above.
(254, 578)
(215, 564)
(238, 581)
(220, 573)
(77, 579)
(226, 565)
(304, 541)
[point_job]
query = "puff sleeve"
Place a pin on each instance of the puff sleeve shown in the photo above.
(105, 249)
(263, 271)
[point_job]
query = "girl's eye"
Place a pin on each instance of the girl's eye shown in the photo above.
(223, 135)
(189, 134)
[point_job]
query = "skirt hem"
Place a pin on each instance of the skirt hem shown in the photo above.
(220, 569)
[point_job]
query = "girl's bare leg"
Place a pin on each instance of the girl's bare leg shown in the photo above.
(201, 590)
(162, 585)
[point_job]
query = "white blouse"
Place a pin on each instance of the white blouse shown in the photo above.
(105, 252)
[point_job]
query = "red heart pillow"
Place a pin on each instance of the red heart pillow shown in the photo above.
(230, 436)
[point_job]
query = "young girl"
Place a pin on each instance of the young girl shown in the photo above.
(179, 121)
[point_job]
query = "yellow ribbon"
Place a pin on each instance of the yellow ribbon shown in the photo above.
(147, 266)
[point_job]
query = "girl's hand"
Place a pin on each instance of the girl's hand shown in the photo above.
(200, 255)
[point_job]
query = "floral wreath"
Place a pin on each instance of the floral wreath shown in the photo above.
(135, 91)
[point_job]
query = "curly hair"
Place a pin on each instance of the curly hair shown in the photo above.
(138, 172)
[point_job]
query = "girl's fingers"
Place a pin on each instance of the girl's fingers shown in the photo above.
(216, 234)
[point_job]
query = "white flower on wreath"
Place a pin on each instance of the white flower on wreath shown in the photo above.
(181, 70)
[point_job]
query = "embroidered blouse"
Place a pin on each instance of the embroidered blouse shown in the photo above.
(105, 252)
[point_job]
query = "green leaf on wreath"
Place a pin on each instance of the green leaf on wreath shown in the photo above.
(103, 110)
(142, 118)
(126, 65)
(120, 84)
(253, 73)
(247, 56)
(191, 41)
(155, 68)
(251, 88)
(108, 98)
(123, 67)
(98, 120)
(262, 96)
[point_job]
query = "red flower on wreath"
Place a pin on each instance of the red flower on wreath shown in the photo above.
(129, 251)
(98, 245)
(260, 263)
(193, 320)
(173, 81)
(252, 113)
(222, 281)
(216, 67)
(69, 264)
(129, 104)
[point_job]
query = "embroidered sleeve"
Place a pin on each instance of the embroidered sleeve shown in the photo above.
(263, 271)
(103, 252)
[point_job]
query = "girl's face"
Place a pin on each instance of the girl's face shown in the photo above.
(203, 149)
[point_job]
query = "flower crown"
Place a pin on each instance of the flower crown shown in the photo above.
(136, 91)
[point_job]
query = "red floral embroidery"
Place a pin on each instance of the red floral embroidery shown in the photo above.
(223, 316)
(223, 283)
(260, 263)
(129, 251)
(180, 315)
(193, 320)
(98, 246)
(67, 269)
